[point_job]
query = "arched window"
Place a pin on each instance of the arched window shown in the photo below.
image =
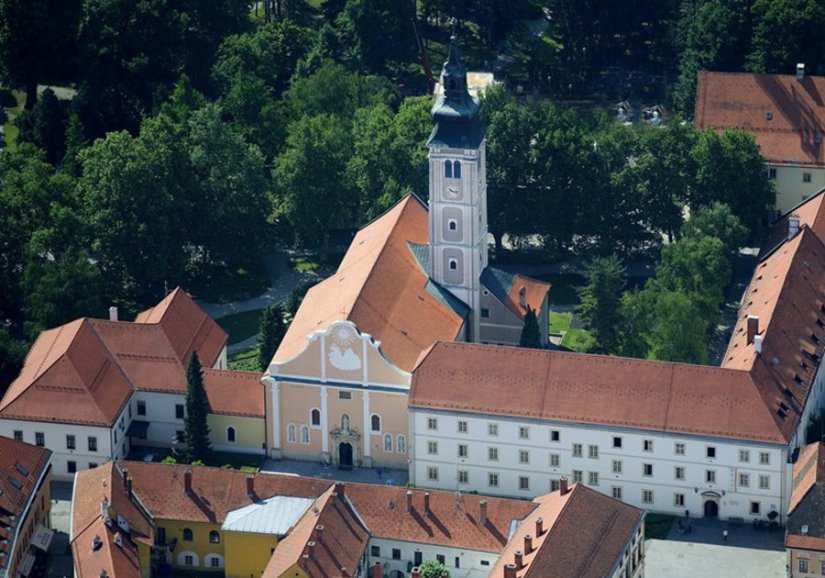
(304, 434)
(375, 423)
(457, 170)
(387, 443)
(187, 535)
(315, 416)
(230, 435)
(401, 444)
(448, 170)
(453, 264)
(214, 537)
(345, 421)
(291, 433)
(453, 224)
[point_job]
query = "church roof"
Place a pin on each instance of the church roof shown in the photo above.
(381, 287)
(516, 292)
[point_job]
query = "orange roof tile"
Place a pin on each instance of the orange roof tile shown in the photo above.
(234, 393)
(810, 212)
(807, 471)
(742, 100)
(85, 371)
(787, 294)
(595, 389)
(117, 561)
(805, 523)
(584, 534)
(453, 520)
(215, 491)
(21, 466)
(380, 287)
(534, 292)
(336, 551)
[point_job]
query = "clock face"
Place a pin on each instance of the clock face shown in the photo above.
(453, 192)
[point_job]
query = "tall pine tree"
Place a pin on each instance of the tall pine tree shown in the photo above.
(198, 446)
(273, 330)
(530, 334)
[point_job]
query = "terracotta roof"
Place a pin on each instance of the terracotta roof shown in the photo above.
(215, 491)
(85, 371)
(808, 470)
(454, 520)
(585, 534)
(810, 212)
(558, 386)
(21, 466)
(336, 551)
(92, 487)
(742, 100)
(787, 294)
(380, 287)
(234, 393)
(806, 509)
(509, 287)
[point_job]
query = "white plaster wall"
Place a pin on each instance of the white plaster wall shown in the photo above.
(790, 186)
(734, 500)
(471, 562)
(160, 412)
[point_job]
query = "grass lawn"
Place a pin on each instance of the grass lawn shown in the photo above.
(245, 360)
(658, 525)
(241, 326)
(577, 340)
(560, 321)
(311, 263)
(12, 102)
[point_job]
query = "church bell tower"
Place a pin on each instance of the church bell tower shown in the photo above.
(458, 189)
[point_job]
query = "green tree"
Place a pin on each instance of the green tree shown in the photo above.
(636, 314)
(530, 333)
(433, 569)
(12, 356)
(273, 330)
(600, 301)
(786, 32)
(377, 34)
(679, 332)
(717, 220)
(45, 126)
(310, 179)
(198, 446)
(730, 169)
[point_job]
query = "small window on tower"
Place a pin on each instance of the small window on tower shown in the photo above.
(453, 224)
(448, 170)
(457, 170)
(453, 264)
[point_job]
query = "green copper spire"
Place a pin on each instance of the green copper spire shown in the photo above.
(454, 103)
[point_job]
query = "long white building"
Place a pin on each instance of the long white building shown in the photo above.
(667, 437)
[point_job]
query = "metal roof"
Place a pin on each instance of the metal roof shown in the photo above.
(275, 515)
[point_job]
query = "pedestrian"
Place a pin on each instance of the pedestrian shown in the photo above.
(379, 473)
(690, 526)
(724, 535)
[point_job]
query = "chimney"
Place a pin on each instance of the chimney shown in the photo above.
(415, 572)
(376, 570)
(804, 530)
(753, 327)
(528, 543)
(793, 226)
(483, 505)
(519, 559)
(113, 313)
(340, 489)
(757, 344)
(311, 549)
(800, 71)
(250, 486)
(125, 473)
(409, 501)
(510, 571)
(539, 526)
(187, 480)
(426, 503)
(563, 485)
(344, 572)
(319, 533)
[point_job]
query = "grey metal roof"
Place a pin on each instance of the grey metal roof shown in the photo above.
(422, 255)
(498, 282)
(457, 135)
(275, 515)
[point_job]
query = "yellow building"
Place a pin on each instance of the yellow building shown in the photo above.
(236, 419)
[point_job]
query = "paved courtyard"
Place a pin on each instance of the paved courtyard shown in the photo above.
(328, 472)
(59, 561)
(704, 551)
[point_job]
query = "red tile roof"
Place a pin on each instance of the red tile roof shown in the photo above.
(810, 212)
(805, 522)
(585, 534)
(380, 287)
(238, 393)
(741, 100)
(572, 387)
(808, 470)
(336, 551)
(21, 466)
(453, 520)
(85, 371)
(787, 294)
(215, 491)
(534, 291)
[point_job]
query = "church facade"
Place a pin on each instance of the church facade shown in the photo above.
(337, 387)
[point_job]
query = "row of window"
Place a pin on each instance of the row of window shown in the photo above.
(806, 178)
(679, 448)
(400, 439)
(804, 566)
(418, 557)
(71, 443)
(141, 409)
(452, 169)
(189, 536)
(71, 466)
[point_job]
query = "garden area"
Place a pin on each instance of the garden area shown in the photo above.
(657, 526)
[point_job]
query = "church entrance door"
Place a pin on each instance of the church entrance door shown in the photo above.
(711, 509)
(345, 456)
